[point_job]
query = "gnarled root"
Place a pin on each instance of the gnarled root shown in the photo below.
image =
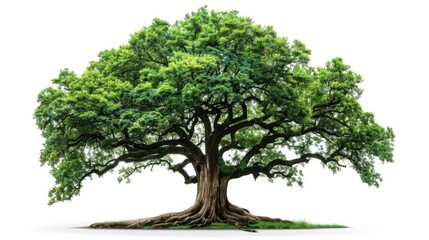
(195, 217)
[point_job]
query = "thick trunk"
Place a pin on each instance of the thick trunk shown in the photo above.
(211, 191)
(211, 205)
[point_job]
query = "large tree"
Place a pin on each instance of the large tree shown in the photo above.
(213, 93)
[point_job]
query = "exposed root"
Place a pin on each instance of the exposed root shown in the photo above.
(268, 219)
(195, 218)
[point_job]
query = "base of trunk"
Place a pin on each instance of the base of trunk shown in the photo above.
(194, 217)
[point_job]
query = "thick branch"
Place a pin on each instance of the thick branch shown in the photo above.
(180, 167)
(206, 121)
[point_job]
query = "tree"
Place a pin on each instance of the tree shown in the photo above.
(213, 93)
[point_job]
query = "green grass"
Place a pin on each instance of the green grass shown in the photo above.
(268, 225)
(295, 225)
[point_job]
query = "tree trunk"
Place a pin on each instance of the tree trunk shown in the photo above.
(211, 206)
(211, 203)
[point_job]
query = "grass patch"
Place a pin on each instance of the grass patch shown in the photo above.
(267, 225)
(295, 225)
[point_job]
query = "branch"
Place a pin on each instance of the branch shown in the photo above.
(139, 156)
(243, 116)
(262, 144)
(256, 169)
(230, 146)
(268, 139)
(188, 147)
(217, 118)
(331, 103)
(284, 175)
(180, 167)
(206, 121)
(193, 122)
(152, 59)
(244, 124)
(127, 174)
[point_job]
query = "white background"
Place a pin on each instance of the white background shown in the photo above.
(385, 41)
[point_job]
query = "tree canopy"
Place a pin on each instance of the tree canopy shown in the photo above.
(214, 87)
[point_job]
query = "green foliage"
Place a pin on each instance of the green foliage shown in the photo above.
(212, 84)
